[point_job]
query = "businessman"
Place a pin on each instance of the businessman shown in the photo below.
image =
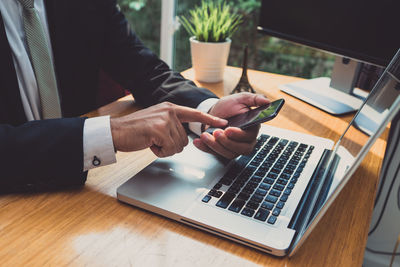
(51, 52)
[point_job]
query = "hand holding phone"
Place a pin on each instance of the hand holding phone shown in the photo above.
(254, 116)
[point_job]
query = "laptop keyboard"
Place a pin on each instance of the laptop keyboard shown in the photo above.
(259, 185)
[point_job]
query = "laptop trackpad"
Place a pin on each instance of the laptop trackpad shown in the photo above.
(173, 183)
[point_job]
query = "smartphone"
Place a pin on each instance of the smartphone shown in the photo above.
(254, 116)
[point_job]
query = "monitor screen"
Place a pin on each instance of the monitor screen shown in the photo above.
(365, 30)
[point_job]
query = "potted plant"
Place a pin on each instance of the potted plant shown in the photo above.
(210, 26)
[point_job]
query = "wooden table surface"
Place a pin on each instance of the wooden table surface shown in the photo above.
(88, 226)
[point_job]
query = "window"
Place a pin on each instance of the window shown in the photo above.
(152, 19)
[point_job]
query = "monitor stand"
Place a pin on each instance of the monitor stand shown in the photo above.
(335, 96)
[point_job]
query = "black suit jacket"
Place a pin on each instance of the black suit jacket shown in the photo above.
(86, 36)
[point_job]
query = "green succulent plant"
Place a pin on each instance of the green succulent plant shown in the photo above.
(212, 21)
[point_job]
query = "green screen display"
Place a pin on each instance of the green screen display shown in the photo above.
(257, 115)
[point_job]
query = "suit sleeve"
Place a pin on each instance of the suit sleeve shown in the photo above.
(136, 68)
(42, 155)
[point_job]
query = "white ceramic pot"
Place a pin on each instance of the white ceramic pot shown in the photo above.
(209, 60)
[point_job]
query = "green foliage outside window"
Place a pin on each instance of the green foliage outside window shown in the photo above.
(265, 53)
(144, 17)
(212, 21)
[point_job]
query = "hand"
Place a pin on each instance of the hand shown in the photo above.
(158, 127)
(232, 141)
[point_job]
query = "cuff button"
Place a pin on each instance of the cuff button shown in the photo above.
(96, 161)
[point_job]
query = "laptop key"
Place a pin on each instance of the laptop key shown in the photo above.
(284, 198)
(252, 184)
(257, 198)
(215, 193)
(248, 190)
(279, 187)
(237, 205)
(225, 181)
(233, 190)
(217, 186)
(265, 186)
(254, 163)
(275, 193)
(248, 212)
(218, 194)
(242, 161)
(293, 143)
(252, 205)
(284, 176)
(206, 198)
(269, 181)
(280, 205)
(282, 181)
(256, 179)
(271, 199)
(287, 191)
(261, 214)
(261, 192)
(276, 212)
(267, 205)
(225, 200)
(272, 175)
(275, 171)
(272, 219)
(243, 196)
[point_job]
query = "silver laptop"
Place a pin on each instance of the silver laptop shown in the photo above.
(272, 199)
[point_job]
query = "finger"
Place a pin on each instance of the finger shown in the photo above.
(160, 151)
(156, 150)
(186, 114)
(180, 136)
(165, 144)
(247, 135)
(184, 140)
(203, 147)
(210, 141)
(241, 148)
(175, 145)
(253, 100)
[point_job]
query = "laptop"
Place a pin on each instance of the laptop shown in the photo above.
(272, 199)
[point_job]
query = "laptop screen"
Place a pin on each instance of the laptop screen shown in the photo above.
(382, 104)
(373, 114)
(371, 120)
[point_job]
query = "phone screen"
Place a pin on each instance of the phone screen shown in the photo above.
(257, 115)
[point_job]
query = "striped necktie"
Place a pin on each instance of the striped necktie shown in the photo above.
(41, 61)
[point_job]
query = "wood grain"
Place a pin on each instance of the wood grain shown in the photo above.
(88, 226)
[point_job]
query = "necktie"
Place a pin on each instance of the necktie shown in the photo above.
(41, 61)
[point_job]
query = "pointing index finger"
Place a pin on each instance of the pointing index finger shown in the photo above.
(186, 114)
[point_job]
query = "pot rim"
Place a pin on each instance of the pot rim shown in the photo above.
(193, 39)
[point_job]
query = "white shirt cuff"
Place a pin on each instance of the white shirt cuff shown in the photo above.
(98, 146)
(204, 106)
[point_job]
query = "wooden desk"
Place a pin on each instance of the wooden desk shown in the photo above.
(90, 227)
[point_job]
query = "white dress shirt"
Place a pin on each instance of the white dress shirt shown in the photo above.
(98, 147)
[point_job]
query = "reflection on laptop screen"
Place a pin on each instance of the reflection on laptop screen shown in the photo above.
(372, 114)
(370, 121)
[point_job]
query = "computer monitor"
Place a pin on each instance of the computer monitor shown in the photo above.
(354, 30)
